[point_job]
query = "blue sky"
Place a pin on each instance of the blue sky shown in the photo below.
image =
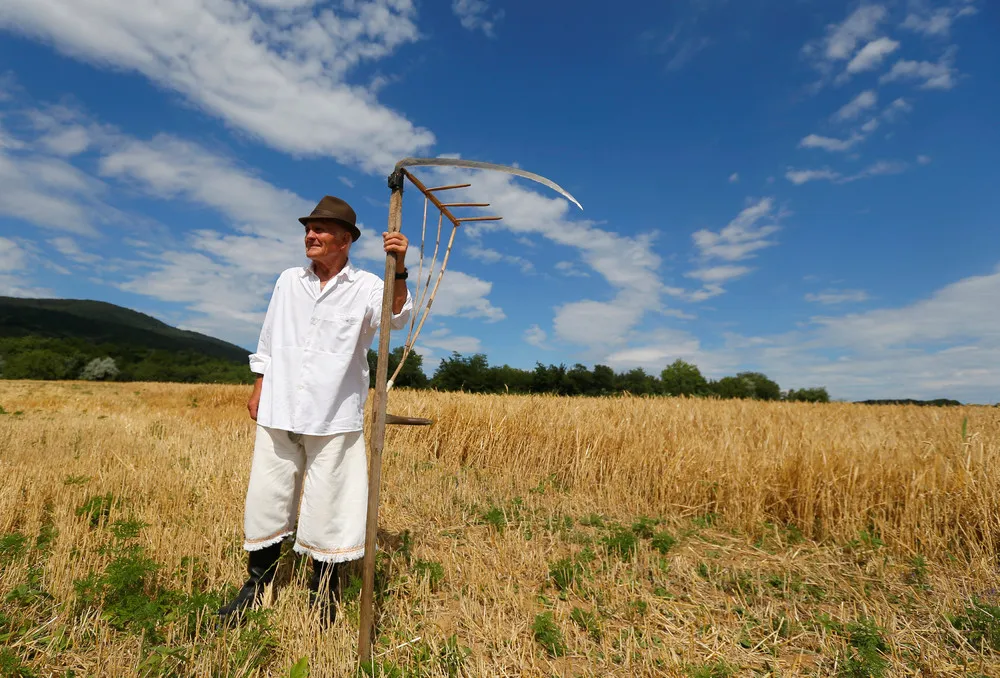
(803, 188)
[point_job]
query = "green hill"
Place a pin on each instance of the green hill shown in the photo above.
(58, 338)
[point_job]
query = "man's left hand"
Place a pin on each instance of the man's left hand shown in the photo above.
(397, 244)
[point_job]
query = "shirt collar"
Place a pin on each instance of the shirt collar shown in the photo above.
(346, 273)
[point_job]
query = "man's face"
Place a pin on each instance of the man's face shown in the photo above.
(326, 240)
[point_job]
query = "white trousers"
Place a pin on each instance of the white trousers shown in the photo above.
(313, 486)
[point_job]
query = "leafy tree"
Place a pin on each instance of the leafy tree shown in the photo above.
(462, 374)
(604, 380)
(411, 376)
(637, 382)
(548, 379)
(683, 378)
(809, 395)
(100, 369)
(761, 388)
(731, 387)
(40, 363)
(507, 379)
(579, 381)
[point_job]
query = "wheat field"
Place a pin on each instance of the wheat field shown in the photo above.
(519, 536)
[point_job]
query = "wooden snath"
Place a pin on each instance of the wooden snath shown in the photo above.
(423, 303)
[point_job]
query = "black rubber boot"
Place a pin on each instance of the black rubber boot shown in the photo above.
(324, 590)
(261, 565)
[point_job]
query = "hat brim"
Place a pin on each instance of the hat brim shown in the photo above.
(355, 231)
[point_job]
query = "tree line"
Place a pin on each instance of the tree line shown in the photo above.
(70, 358)
(474, 374)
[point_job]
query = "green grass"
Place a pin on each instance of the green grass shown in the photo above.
(548, 634)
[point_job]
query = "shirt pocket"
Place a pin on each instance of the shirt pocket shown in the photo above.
(336, 332)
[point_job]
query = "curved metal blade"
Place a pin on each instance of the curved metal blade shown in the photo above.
(475, 164)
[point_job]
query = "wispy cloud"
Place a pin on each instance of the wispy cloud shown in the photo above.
(685, 38)
(536, 336)
(940, 75)
(799, 177)
(858, 105)
(739, 240)
(936, 21)
(734, 178)
(475, 15)
(842, 39)
(879, 168)
(872, 55)
(290, 89)
(15, 261)
(829, 143)
(569, 269)
(832, 297)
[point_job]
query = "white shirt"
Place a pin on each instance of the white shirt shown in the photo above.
(313, 350)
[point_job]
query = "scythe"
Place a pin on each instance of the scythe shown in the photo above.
(382, 383)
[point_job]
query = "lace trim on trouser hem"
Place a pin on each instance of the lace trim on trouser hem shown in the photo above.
(330, 555)
(258, 544)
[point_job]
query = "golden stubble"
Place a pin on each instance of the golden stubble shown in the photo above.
(485, 493)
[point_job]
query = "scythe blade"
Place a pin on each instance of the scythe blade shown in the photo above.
(476, 164)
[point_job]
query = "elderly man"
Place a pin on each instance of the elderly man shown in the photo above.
(309, 474)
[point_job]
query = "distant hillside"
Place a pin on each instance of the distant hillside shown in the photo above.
(101, 322)
(73, 339)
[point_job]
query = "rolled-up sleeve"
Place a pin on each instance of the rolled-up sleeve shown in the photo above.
(398, 320)
(260, 360)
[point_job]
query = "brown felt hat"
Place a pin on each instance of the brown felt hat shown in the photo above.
(334, 209)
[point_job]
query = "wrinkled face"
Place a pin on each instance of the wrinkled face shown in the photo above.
(326, 240)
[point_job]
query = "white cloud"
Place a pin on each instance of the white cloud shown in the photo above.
(830, 144)
(741, 237)
(12, 257)
(872, 55)
(870, 126)
(70, 249)
(924, 159)
(346, 182)
(879, 168)
(627, 263)
(465, 295)
(444, 340)
(842, 39)
(15, 265)
(734, 178)
(946, 345)
(659, 349)
(940, 75)
(475, 15)
(598, 323)
(535, 336)
(719, 274)
(896, 109)
(830, 297)
(799, 177)
(569, 269)
(68, 141)
(858, 105)
(169, 168)
(957, 313)
(477, 250)
(283, 81)
(936, 21)
(48, 191)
